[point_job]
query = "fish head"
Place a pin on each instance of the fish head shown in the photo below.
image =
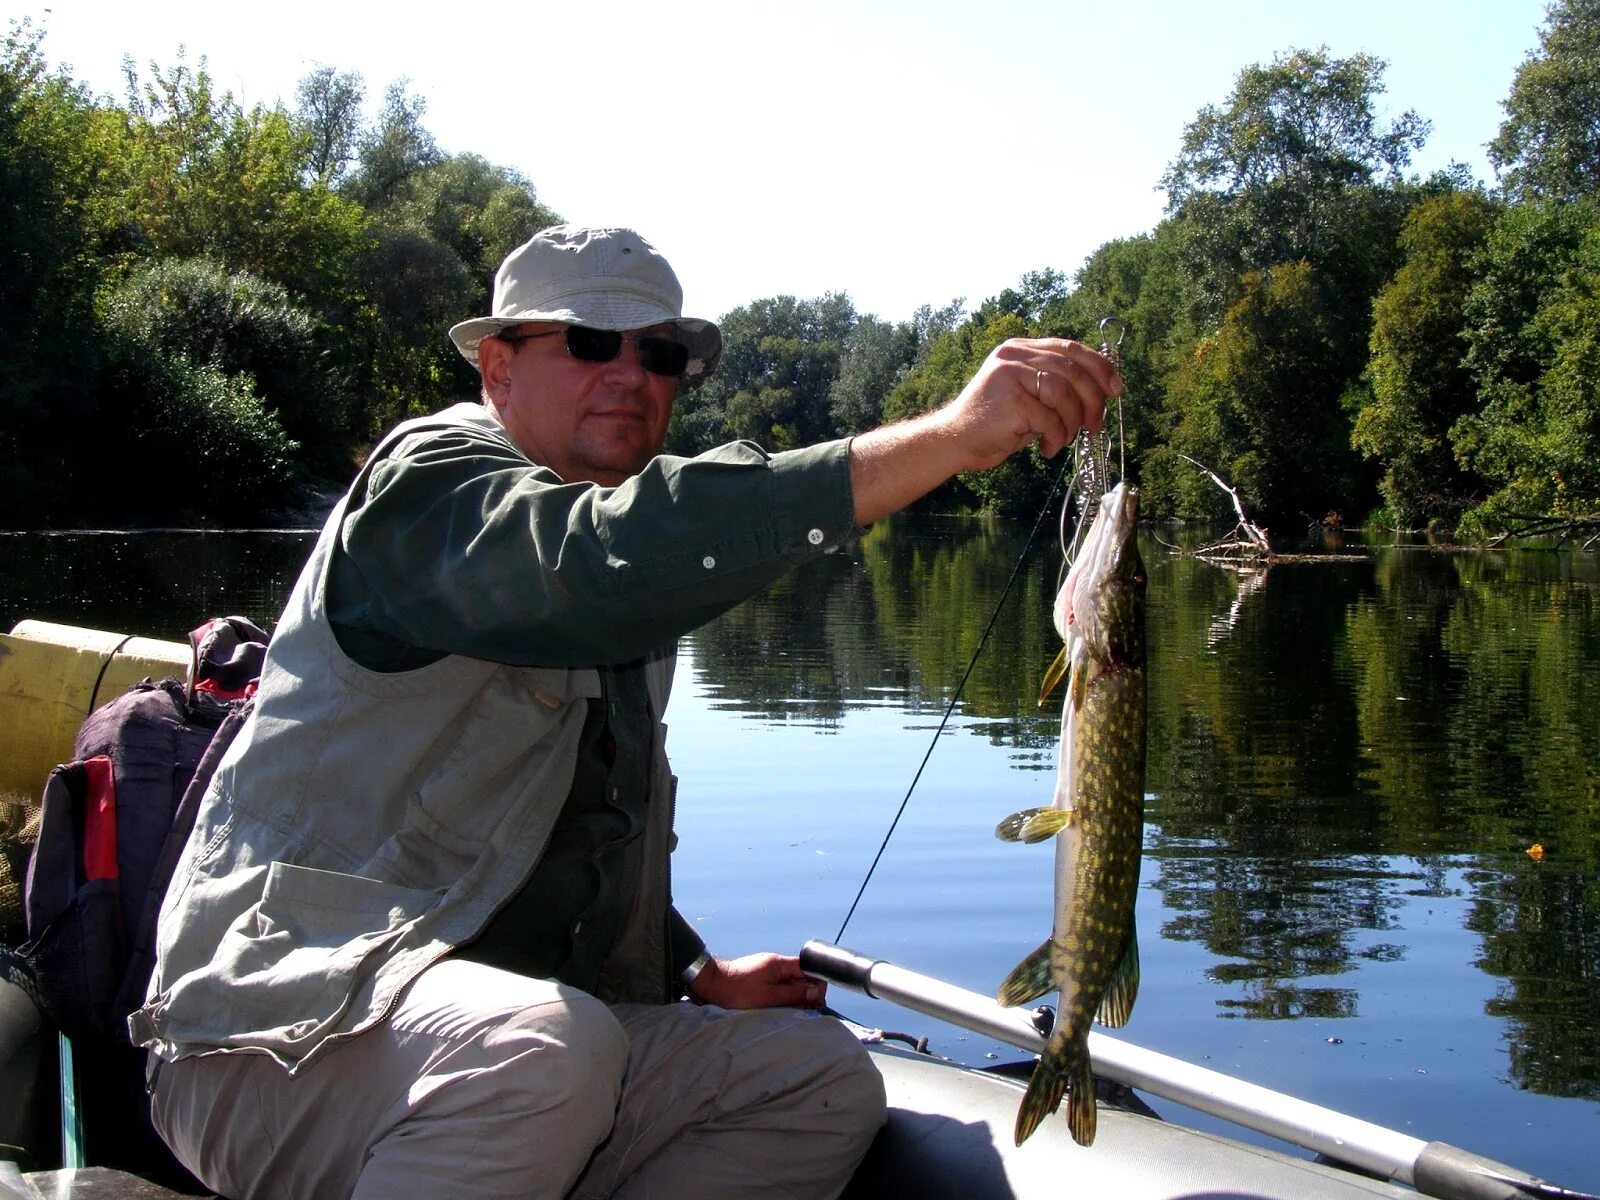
(1108, 584)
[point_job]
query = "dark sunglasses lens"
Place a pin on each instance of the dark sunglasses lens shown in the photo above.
(663, 356)
(658, 355)
(593, 345)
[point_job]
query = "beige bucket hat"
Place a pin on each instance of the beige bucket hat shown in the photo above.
(602, 278)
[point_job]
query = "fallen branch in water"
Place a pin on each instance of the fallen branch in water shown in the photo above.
(1545, 525)
(1246, 547)
(1247, 542)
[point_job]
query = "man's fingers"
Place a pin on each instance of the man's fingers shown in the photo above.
(1100, 375)
(1061, 414)
(803, 993)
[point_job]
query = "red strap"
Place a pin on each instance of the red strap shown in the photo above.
(211, 688)
(100, 820)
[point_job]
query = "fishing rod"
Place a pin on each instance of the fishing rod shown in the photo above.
(1435, 1169)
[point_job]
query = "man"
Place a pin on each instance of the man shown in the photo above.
(421, 941)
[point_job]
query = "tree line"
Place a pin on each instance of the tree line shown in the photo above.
(207, 310)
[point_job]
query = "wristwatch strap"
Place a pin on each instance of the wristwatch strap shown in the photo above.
(692, 971)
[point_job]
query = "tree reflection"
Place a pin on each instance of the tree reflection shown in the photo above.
(1325, 742)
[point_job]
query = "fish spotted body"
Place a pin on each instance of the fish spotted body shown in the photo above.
(1092, 957)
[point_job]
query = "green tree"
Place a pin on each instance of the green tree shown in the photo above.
(479, 211)
(172, 414)
(393, 150)
(877, 354)
(1418, 384)
(246, 328)
(1259, 404)
(780, 359)
(1534, 347)
(1294, 137)
(1295, 166)
(412, 290)
(1549, 144)
(328, 113)
(55, 143)
(202, 177)
(1020, 484)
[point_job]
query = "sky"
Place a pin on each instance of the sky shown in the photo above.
(907, 153)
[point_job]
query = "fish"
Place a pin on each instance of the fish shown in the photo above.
(1096, 815)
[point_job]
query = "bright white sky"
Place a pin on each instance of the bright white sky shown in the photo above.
(904, 151)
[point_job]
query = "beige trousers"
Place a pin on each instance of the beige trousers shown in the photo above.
(488, 1084)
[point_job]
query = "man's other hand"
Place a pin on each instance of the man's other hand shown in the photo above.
(758, 981)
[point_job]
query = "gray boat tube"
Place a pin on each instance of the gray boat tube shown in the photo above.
(1433, 1168)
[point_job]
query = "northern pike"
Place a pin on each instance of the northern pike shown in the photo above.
(1092, 957)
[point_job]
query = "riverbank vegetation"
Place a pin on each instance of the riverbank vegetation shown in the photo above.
(207, 310)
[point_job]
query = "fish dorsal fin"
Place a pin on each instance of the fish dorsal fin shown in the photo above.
(1117, 1004)
(1028, 980)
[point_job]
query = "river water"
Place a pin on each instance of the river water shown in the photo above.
(1349, 764)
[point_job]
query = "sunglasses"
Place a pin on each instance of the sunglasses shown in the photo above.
(658, 355)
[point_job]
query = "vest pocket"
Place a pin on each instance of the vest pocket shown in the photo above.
(330, 909)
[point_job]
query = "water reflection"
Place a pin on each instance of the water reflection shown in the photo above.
(1328, 744)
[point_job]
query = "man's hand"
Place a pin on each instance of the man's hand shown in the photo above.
(1027, 390)
(757, 981)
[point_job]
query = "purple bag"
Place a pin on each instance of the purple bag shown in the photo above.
(113, 825)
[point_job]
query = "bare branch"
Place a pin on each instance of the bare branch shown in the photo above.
(1253, 544)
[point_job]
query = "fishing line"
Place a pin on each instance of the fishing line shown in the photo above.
(1088, 465)
(955, 696)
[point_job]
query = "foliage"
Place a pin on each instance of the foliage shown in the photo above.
(876, 358)
(1549, 144)
(243, 326)
(203, 177)
(394, 150)
(1417, 382)
(251, 285)
(1294, 138)
(328, 114)
(780, 361)
(1534, 346)
(52, 234)
(293, 272)
(1259, 404)
(180, 436)
(480, 211)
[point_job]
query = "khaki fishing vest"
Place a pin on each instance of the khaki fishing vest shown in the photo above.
(363, 824)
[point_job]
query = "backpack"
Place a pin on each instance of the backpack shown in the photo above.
(113, 823)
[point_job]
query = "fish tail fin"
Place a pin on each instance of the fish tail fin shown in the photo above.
(1081, 1112)
(1116, 1005)
(1045, 1089)
(1028, 980)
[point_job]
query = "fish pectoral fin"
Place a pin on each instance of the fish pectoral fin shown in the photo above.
(1028, 980)
(1116, 1005)
(1033, 824)
(1045, 823)
(1053, 675)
